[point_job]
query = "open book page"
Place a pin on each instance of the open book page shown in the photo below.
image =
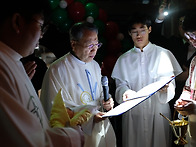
(139, 97)
(151, 88)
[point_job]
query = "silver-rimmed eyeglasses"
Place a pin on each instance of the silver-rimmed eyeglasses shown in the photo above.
(138, 32)
(91, 46)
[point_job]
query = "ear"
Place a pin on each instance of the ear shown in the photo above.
(149, 29)
(129, 33)
(73, 43)
(16, 22)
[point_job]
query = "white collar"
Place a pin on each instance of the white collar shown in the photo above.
(144, 49)
(9, 51)
(77, 60)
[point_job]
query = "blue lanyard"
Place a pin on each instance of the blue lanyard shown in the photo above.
(93, 91)
(80, 87)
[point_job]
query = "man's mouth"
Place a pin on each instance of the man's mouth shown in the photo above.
(139, 40)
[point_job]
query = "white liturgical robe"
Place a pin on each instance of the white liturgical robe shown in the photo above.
(81, 85)
(23, 120)
(143, 126)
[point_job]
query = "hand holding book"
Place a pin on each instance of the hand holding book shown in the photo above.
(164, 89)
(139, 97)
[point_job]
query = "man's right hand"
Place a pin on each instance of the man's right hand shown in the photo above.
(98, 117)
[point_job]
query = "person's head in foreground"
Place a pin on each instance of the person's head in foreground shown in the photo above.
(189, 27)
(84, 41)
(21, 24)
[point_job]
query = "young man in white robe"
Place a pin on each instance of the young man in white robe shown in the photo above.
(79, 78)
(186, 104)
(23, 120)
(142, 65)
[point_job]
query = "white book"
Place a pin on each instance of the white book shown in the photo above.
(139, 97)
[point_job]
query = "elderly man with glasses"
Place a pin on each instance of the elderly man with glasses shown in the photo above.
(186, 104)
(79, 78)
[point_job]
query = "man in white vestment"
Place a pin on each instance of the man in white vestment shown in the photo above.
(142, 65)
(79, 78)
(23, 120)
(186, 104)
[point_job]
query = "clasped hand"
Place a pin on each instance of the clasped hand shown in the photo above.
(185, 106)
(30, 68)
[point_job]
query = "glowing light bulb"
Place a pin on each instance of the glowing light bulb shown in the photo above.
(165, 13)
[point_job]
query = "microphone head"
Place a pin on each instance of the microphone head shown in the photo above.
(104, 81)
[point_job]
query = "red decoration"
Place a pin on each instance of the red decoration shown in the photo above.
(114, 47)
(69, 2)
(111, 30)
(108, 65)
(102, 15)
(76, 11)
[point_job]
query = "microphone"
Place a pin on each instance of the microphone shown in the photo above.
(104, 82)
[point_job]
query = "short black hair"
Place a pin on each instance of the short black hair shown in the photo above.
(139, 18)
(76, 31)
(26, 8)
(189, 24)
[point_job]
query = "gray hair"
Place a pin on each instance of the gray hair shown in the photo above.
(76, 31)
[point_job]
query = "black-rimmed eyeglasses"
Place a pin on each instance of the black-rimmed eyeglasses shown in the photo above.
(43, 28)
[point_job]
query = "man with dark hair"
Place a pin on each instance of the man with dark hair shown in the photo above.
(186, 104)
(79, 78)
(23, 120)
(140, 66)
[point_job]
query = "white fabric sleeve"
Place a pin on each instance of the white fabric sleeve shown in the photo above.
(185, 95)
(158, 20)
(121, 88)
(58, 139)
